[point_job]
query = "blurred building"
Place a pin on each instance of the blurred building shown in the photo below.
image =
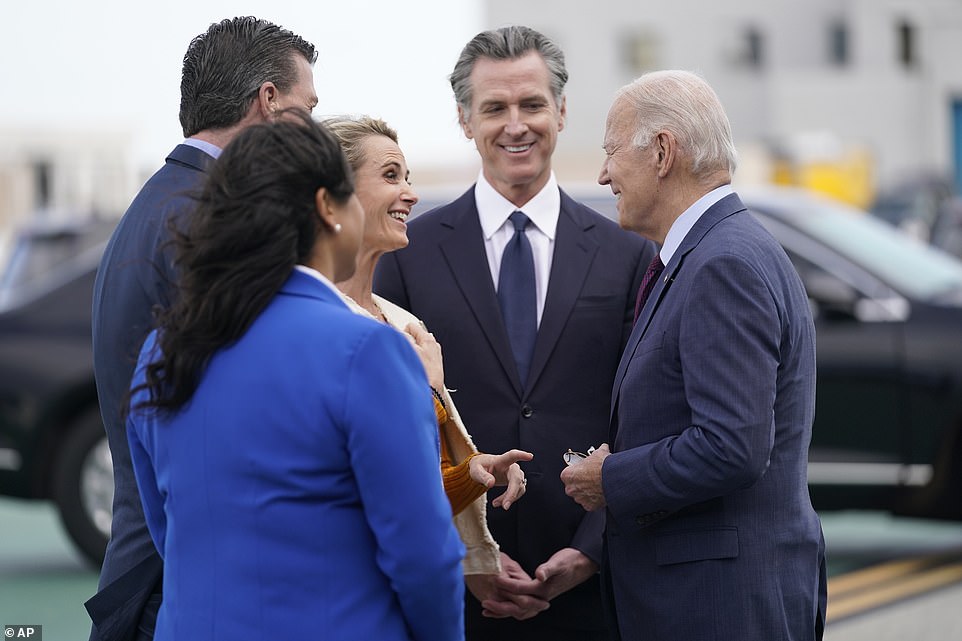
(841, 95)
(847, 96)
(51, 176)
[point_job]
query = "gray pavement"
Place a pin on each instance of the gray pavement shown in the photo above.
(44, 581)
(855, 540)
(936, 616)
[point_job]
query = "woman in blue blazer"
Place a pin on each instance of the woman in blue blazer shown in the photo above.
(286, 448)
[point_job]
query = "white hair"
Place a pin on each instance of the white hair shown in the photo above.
(684, 104)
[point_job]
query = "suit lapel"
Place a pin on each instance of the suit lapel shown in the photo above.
(573, 254)
(463, 248)
(637, 331)
(722, 209)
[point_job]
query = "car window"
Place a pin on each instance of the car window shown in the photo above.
(42, 258)
(905, 264)
(908, 265)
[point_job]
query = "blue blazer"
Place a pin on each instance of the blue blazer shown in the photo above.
(443, 278)
(298, 493)
(711, 532)
(134, 275)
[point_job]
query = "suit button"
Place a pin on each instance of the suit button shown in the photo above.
(526, 411)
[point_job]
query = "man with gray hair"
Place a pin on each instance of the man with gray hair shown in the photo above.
(531, 296)
(710, 530)
(240, 72)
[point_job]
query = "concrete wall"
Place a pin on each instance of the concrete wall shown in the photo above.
(900, 114)
(83, 173)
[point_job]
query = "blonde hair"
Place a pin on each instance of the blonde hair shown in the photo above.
(351, 131)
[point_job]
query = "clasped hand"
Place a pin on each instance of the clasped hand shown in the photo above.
(514, 593)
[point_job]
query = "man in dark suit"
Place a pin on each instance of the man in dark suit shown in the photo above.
(710, 530)
(239, 72)
(531, 345)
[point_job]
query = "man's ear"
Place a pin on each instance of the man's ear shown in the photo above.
(563, 113)
(267, 100)
(666, 148)
(465, 125)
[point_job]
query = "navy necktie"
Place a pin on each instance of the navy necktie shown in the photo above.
(517, 295)
(648, 283)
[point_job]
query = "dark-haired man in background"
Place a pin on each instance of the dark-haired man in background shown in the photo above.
(240, 72)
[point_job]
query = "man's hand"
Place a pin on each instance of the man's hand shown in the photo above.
(565, 569)
(500, 603)
(583, 480)
(501, 469)
(515, 594)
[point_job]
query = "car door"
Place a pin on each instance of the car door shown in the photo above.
(861, 431)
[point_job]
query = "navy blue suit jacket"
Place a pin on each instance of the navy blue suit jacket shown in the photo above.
(134, 275)
(711, 532)
(443, 278)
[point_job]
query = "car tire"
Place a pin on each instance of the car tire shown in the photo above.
(83, 485)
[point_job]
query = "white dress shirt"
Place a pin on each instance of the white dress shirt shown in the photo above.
(683, 224)
(313, 273)
(543, 210)
(210, 149)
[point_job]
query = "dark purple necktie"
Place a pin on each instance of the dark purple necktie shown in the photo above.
(648, 283)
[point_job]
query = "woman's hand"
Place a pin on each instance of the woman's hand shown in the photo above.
(501, 469)
(429, 351)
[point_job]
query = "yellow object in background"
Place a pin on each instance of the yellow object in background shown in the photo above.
(848, 178)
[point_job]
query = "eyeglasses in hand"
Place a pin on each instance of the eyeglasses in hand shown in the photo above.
(572, 458)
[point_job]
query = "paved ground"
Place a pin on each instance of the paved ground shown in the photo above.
(44, 582)
(936, 616)
(860, 540)
(42, 579)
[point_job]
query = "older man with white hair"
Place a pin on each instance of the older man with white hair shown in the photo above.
(710, 529)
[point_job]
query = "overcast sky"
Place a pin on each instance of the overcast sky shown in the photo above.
(105, 64)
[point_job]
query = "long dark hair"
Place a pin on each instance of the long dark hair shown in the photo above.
(255, 219)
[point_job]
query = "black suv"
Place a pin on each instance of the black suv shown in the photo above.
(52, 441)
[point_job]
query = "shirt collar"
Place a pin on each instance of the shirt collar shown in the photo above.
(212, 150)
(494, 209)
(683, 224)
(313, 273)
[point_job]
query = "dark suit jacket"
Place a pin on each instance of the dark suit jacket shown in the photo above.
(711, 533)
(133, 277)
(443, 278)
